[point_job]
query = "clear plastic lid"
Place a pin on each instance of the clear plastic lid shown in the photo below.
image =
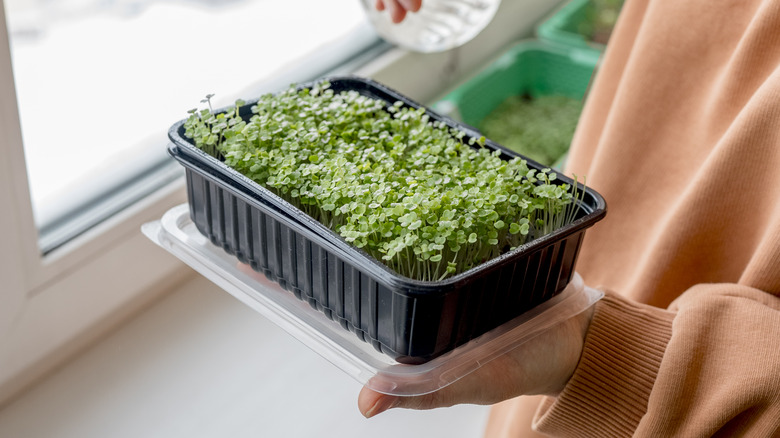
(177, 233)
(439, 24)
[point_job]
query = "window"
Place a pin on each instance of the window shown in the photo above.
(97, 82)
(53, 304)
(88, 90)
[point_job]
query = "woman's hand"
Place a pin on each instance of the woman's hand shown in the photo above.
(398, 8)
(542, 365)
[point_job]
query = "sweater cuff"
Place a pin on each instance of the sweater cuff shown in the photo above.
(609, 391)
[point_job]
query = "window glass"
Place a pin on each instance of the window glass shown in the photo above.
(100, 81)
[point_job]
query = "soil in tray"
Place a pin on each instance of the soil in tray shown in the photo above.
(540, 128)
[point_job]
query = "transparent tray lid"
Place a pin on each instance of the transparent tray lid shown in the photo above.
(176, 233)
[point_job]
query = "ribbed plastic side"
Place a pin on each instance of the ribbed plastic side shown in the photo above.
(410, 329)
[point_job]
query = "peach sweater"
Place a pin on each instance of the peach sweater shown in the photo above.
(681, 134)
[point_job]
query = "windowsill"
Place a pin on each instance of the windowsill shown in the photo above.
(201, 364)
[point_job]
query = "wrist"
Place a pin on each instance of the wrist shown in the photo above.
(578, 327)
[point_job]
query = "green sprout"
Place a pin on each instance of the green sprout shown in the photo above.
(540, 128)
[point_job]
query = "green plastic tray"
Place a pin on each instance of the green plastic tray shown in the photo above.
(562, 26)
(530, 68)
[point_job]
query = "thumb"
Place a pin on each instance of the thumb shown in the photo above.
(371, 402)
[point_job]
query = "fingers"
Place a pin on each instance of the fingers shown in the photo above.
(396, 11)
(411, 5)
(398, 8)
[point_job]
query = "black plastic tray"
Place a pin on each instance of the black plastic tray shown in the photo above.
(409, 320)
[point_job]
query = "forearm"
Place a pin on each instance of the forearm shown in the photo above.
(708, 364)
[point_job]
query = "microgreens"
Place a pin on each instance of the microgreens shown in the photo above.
(407, 189)
(540, 128)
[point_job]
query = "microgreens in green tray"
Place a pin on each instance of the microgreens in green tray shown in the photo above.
(410, 191)
(540, 128)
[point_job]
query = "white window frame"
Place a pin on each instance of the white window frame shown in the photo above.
(55, 305)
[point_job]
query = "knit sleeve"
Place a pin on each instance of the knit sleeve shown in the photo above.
(708, 365)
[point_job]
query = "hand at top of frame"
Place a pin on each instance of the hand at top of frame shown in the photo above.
(398, 8)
